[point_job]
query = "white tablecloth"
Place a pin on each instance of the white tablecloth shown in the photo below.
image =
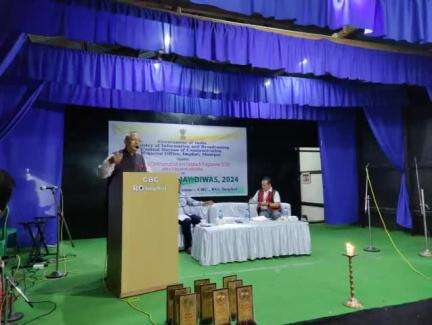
(241, 242)
(239, 210)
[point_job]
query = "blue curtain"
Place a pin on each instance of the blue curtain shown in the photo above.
(16, 98)
(409, 21)
(400, 20)
(304, 12)
(107, 22)
(339, 167)
(74, 67)
(169, 103)
(324, 13)
(388, 130)
(33, 153)
(77, 77)
(15, 101)
(8, 52)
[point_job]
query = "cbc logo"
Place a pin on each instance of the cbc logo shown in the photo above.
(150, 179)
(137, 188)
(147, 180)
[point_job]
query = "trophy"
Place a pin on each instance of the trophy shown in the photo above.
(221, 308)
(187, 309)
(207, 302)
(197, 287)
(227, 279)
(245, 305)
(232, 292)
(170, 302)
(177, 293)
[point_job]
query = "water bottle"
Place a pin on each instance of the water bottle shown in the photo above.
(247, 214)
(219, 217)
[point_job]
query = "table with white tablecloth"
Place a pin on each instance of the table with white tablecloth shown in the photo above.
(247, 241)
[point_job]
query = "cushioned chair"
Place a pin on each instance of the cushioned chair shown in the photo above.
(6, 232)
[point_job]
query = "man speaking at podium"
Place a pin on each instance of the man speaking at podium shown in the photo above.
(125, 160)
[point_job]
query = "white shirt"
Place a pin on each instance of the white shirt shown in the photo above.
(106, 169)
(185, 205)
(276, 196)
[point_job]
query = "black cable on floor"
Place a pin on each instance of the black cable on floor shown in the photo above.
(43, 315)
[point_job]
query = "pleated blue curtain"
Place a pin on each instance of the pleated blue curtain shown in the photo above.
(74, 67)
(400, 20)
(324, 13)
(388, 130)
(16, 98)
(170, 103)
(15, 102)
(409, 21)
(108, 22)
(339, 166)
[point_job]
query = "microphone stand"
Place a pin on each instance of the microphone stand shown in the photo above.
(59, 210)
(63, 219)
(426, 252)
(7, 315)
(19, 291)
(370, 248)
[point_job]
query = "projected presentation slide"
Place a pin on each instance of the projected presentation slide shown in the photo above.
(209, 160)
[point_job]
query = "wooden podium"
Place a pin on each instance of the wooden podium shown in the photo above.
(142, 233)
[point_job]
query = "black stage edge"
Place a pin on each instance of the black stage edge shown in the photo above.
(419, 312)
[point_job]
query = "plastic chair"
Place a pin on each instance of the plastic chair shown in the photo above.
(6, 233)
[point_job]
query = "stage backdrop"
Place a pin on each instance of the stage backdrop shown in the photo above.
(270, 152)
(209, 160)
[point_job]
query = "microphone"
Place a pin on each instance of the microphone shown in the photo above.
(49, 187)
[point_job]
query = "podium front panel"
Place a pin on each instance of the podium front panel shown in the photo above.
(149, 227)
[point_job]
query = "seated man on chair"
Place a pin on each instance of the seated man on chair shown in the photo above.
(268, 200)
(187, 216)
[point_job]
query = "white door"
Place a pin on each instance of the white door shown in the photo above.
(311, 187)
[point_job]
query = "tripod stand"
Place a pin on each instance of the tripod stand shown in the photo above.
(60, 221)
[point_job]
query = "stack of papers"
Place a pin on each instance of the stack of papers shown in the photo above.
(259, 219)
(288, 218)
(205, 224)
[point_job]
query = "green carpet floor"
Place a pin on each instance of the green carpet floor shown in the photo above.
(286, 289)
